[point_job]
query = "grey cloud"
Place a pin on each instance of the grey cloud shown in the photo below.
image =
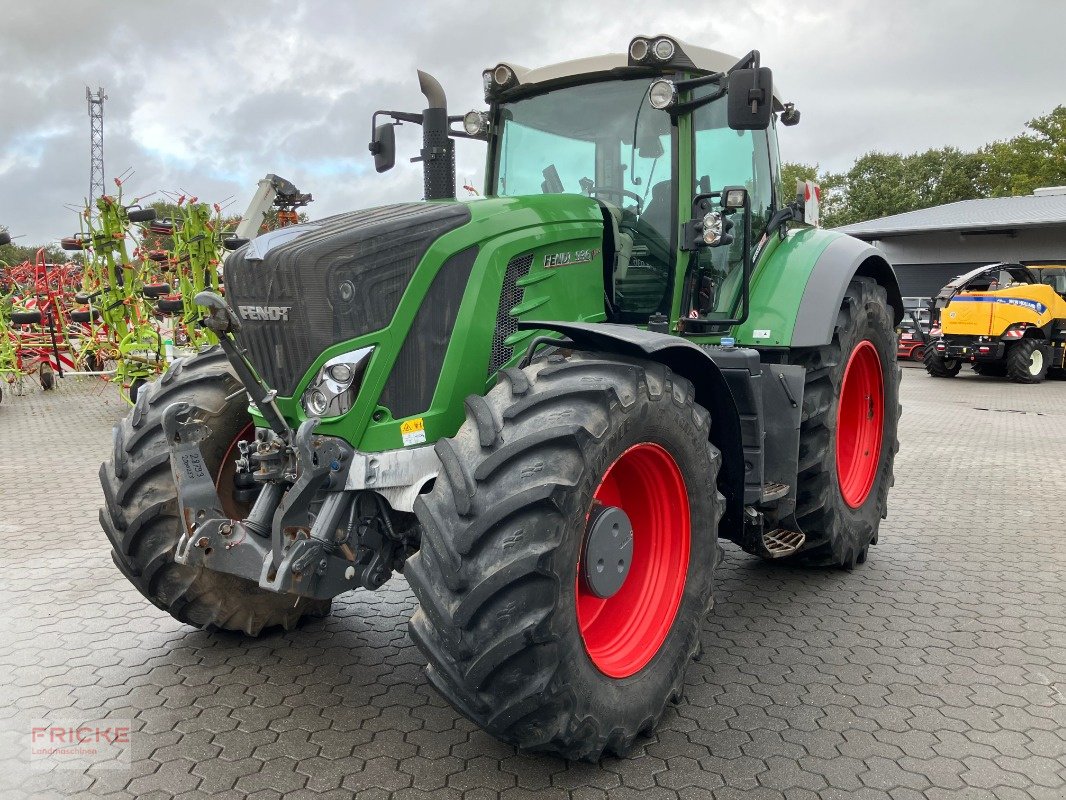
(209, 96)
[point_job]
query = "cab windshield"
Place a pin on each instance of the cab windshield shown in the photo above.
(605, 141)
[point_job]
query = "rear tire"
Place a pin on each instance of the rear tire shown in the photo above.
(938, 366)
(1027, 361)
(842, 486)
(140, 512)
(504, 617)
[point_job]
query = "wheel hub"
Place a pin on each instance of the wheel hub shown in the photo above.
(608, 552)
(1036, 363)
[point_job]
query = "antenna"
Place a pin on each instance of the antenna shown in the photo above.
(96, 143)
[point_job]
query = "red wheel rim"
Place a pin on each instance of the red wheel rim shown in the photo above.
(624, 632)
(860, 421)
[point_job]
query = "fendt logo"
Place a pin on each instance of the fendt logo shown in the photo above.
(265, 313)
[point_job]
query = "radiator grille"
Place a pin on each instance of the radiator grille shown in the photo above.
(416, 373)
(337, 278)
(510, 296)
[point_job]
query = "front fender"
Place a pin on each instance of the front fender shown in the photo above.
(690, 361)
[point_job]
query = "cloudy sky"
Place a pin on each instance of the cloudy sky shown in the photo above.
(207, 97)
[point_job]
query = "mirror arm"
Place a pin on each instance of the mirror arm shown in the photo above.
(703, 80)
(692, 105)
(399, 116)
(751, 60)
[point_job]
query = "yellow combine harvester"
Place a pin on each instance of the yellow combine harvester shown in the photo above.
(1003, 319)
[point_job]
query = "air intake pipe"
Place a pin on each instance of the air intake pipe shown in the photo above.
(438, 150)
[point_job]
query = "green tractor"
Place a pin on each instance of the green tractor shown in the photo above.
(544, 407)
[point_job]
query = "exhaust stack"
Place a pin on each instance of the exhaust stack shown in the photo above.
(438, 150)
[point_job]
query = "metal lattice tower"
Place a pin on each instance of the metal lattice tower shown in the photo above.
(96, 143)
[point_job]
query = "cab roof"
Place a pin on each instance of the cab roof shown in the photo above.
(690, 59)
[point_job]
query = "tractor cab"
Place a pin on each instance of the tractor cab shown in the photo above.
(677, 144)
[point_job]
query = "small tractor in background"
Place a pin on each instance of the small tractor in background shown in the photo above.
(913, 329)
(543, 406)
(1005, 320)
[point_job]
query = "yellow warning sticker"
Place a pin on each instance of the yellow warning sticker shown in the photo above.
(413, 431)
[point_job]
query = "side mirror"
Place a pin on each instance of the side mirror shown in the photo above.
(384, 147)
(751, 103)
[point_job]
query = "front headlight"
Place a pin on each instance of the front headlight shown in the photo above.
(662, 94)
(334, 389)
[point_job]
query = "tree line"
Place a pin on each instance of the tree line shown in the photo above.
(881, 184)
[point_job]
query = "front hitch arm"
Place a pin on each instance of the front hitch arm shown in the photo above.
(297, 557)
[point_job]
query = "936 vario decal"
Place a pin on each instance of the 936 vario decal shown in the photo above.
(553, 260)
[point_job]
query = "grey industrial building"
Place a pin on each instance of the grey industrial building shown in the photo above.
(931, 246)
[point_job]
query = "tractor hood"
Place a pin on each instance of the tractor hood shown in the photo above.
(300, 289)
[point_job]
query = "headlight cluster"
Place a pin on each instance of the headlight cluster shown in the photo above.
(334, 389)
(497, 79)
(651, 51)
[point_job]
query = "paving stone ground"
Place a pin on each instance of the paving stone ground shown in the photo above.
(937, 670)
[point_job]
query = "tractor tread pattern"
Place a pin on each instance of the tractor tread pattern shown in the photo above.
(1019, 360)
(938, 366)
(484, 575)
(140, 511)
(836, 536)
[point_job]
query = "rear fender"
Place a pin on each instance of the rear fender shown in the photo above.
(688, 360)
(839, 263)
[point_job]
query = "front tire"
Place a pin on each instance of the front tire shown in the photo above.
(140, 512)
(848, 438)
(1028, 361)
(515, 636)
(938, 366)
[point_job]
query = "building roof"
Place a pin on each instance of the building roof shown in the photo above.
(993, 213)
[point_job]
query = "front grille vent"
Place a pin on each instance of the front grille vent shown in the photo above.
(510, 296)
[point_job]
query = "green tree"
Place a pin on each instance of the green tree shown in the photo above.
(1033, 159)
(15, 253)
(831, 185)
(881, 184)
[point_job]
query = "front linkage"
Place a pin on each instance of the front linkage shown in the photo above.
(311, 531)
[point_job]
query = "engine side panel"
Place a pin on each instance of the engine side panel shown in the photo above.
(455, 321)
